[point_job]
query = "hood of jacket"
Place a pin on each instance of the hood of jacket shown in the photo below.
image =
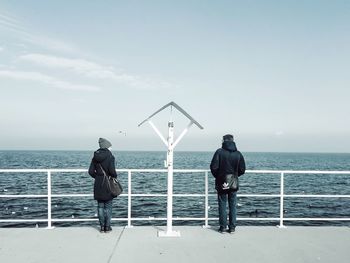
(229, 146)
(101, 154)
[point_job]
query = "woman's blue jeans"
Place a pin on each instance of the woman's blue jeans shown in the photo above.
(104, 211)
(231, 197)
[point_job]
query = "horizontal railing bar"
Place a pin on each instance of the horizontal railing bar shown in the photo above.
(287, 219)
(162, 195)
(258, 218)
(74, 219)
(319, 196)
(23, 196)
(78, 195)
(177, 195)
(84, 220)
(164, 219)
(297, 172)
(41, 170)
(257, 195)
(175, 170)
(203, 218)
(71, 195)
(250, 218)
(174, 218)
(22, 220)
(316, 219)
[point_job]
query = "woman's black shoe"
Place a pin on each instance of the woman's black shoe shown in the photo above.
(108, 229)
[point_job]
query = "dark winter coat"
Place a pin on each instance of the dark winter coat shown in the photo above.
(104, 158)
(227, 160)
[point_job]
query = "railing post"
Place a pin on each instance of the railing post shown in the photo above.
(49, 218)
(206, 201)
(281, 201)
(129, 200)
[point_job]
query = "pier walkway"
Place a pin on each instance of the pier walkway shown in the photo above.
(196, 244)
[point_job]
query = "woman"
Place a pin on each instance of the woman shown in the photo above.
(103, 162)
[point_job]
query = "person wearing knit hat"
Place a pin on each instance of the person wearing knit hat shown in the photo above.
(103, 163)
(104, 143)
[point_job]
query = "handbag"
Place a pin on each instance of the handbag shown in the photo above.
(113, 185)
(230, 181)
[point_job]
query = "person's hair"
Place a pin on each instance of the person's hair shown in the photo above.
(227, 137)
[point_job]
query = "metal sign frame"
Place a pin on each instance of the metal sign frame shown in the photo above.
(170, 143)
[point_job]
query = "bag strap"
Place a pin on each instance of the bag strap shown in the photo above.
(103, 171)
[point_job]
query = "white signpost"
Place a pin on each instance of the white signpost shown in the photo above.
(169, 162)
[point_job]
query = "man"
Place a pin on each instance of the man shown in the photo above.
(227, 162)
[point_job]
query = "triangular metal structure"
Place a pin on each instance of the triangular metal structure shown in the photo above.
(179, 109)
(170, 157)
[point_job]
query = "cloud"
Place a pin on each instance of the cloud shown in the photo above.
(93, 70)
(1, 49)
(45, 79)
(49, 43)
(12, 24)
(79, 66)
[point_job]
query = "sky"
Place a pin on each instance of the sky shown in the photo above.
(275, 74)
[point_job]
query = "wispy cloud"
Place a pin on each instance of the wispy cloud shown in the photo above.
(93, 70)
(45, 79)
(79, 65)
(50, 43)
(11, 23)
(15, 26)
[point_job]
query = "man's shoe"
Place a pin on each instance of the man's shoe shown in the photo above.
(221, 230)
(231, 230)
(102, 229)
(108, 229)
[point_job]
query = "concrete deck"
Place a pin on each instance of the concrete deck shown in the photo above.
(196, 244)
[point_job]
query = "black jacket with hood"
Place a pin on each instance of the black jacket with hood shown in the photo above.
(104, 158)
(227, 160)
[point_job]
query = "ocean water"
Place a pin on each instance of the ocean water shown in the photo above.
(184, 183)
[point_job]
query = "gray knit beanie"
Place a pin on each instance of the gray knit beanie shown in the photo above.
(104, 143)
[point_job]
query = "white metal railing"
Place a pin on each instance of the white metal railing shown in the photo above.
(206, 195)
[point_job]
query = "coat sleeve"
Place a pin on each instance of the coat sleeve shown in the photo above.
(111, 168)
(92, 169)
(241, 168)
(215, 164)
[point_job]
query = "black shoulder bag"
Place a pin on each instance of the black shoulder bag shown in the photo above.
(113, 185)
(231, 180)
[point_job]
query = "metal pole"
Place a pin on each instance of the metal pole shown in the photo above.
(129, 199)
(170, 177)
(281, 201)
(182, 134)
(158, 132)
(49, 217)
(170, 159)
(206, 200)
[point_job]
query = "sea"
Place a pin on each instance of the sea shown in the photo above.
(184, 183)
